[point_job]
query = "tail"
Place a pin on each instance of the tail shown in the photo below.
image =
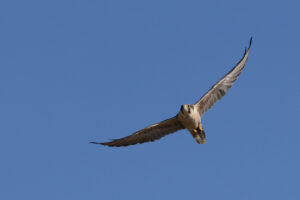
(199, 135)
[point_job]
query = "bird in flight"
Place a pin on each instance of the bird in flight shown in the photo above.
(189, 116)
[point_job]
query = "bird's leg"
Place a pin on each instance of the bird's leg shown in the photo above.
(200, 127)
(199, 134)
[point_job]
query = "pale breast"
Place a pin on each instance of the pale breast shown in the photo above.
(189, 120)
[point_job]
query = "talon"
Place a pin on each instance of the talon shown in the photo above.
(200, 127)
(195, 130)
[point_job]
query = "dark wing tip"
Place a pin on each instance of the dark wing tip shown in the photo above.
(111, 144)
(250, 42)
(97, 143)
(247, 49)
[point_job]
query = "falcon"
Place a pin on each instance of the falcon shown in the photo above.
(189, 116)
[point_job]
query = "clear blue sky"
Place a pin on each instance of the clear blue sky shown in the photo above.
(72, 72)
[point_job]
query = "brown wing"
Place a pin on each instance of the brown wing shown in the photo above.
(222, 86)
(150, 133)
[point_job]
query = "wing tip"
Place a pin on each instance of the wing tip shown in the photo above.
(102, 143)
(95, 143)
(250, 42)
(247, 49)
(111, 144)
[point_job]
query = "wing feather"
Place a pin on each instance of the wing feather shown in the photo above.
(148, 134)
(222, 86)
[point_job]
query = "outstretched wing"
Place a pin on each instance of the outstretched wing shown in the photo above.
(150, 133)
(222, 86)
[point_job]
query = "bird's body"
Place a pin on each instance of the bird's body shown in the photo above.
(189, 116)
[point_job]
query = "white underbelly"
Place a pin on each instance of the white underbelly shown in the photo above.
(189, 120)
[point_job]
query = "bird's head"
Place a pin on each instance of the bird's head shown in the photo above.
(185, 108)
